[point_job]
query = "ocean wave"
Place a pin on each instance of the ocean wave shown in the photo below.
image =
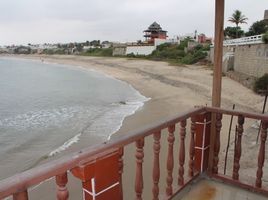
(103, 125)
(66, 145)
(41, 118)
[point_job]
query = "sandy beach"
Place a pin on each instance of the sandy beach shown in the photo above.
(171, 89)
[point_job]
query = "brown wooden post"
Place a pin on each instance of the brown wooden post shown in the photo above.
(192, 150)
(217, 72)
(139, 161)
(218, 53)
(170, 160)
(121, 169)
(21, 195)
(62, 191)
(202, 137)
(182, 153)
(156, 167)
(238, 148)
(217, 143)
(261, 156)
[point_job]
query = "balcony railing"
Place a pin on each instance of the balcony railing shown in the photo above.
(256, 39)
(100, 168)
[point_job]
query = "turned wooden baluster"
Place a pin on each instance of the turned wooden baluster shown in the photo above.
(170, 160)
(217, 143)
(156, 168)
(238, 147)
(261, 156)
(21, 195)
(182, 153)
(121, 167)
(62, 191)
(139, 161)
(192, 145)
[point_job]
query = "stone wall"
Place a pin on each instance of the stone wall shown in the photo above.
(251, 59)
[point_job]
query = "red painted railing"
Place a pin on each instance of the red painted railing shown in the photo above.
(188, 148)
(252, 182)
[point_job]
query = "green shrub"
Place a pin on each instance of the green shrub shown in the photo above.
(162, 47)
(99, 52)
(194, 57)
(188, 59)
(265, 38)
(131, 55)
(167, 51)
(261, 83)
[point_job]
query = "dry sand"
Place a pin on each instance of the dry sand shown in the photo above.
(172, 89)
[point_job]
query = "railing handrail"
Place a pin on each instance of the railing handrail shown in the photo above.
(243, 40)
(251, 115)
(31, 177)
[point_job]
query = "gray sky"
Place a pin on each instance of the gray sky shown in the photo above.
(52, 21)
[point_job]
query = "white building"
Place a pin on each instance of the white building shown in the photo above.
(143, 49)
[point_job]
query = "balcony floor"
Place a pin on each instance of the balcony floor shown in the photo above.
(205, 189)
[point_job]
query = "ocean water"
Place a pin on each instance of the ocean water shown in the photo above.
(46, 108)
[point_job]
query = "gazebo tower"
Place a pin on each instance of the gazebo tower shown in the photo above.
(154, 31)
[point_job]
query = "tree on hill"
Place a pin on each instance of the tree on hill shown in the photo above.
(233, 32)
(95, 43)
(238, 18)
(257, 28)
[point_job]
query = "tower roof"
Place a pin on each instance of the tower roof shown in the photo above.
(154, 27)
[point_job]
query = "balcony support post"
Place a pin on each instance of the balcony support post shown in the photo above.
(238, 148)
(170, 160)
(62, 191)
(217, 72)
(261, 156)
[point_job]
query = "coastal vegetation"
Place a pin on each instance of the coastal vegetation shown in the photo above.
(232, 32)
(99, 52)
(176, 53)
(186, 52)
(238, 18)
(257, 28)
(265, 37)
(261, 83)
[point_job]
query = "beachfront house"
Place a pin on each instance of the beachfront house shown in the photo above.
(190, 167)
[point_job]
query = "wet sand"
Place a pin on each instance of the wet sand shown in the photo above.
(172, 89)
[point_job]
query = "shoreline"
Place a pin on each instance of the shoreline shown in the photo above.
(172, 89)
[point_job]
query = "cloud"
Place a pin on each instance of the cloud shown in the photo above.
(38, 21)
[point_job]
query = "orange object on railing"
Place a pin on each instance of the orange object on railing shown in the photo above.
(100, 178)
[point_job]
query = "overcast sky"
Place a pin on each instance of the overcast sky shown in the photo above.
(53, 21)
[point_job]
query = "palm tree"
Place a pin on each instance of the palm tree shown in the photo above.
(237, 18)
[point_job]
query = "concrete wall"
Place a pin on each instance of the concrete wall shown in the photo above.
(251, 59)
(140, 50)
(119, 51)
